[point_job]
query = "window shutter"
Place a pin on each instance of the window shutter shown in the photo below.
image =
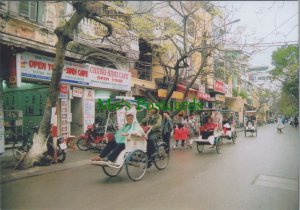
(24, 8)
(41, 11)
(33, 10)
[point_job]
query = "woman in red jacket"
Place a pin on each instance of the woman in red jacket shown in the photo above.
(178, 134)
(207, 129)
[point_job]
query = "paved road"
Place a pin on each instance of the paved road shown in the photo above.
(255, 173)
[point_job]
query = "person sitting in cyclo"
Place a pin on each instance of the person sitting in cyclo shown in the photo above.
(207, 129)
(251, 122)
(114, 147)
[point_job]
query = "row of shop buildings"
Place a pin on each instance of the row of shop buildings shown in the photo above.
(93, 70)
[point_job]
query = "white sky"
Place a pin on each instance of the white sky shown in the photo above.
(264, 22)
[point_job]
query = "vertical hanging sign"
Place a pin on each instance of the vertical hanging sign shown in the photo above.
(1, 119)
(88, 107)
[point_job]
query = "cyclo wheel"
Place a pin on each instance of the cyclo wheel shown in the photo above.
(82, 144)
(245, 132)
(200, 147)
(255, 131)
(111, 171)
(161, 158)
(218, 145)
(136, 165)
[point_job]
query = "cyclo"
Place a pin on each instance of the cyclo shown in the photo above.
(250, 122)
(209, 134)
(228, 123)
(134, 156)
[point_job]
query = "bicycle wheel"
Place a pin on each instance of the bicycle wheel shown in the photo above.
(136, 165)
(161, 158)
(200, 147)
(82, 144)
(110, 171)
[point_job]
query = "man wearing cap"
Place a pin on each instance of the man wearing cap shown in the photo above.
(153, 120)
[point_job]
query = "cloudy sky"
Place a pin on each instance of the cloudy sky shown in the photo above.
(264, 23)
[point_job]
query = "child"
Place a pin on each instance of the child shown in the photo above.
(185, 136)
(177, 134)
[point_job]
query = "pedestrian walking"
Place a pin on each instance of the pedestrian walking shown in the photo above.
(167, 128)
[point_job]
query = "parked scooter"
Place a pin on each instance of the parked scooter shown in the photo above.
(92, 139)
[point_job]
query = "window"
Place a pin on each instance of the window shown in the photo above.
(32, 10)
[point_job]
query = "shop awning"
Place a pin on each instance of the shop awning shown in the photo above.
(181, 87)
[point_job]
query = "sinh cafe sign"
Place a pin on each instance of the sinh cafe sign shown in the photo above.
(38, 67)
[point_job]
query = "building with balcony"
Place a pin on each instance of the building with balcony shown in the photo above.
(94, 68)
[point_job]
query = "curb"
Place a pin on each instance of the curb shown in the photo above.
(38, 171)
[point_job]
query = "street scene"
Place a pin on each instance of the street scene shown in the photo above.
(149, 105)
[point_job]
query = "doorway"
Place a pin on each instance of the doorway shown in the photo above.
(77, 117)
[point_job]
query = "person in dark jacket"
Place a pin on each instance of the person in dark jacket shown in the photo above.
(166, 128)
(153, 120)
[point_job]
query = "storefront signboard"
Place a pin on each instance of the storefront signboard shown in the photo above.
(1, 120)
(64, 118)
(88, 107)
(77, 92)
(219, 86)
(203, 96)
(39, 67)
(63, 93)
(219, 97)
(109, 78)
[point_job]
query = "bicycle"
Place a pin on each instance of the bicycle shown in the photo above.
(20, 151)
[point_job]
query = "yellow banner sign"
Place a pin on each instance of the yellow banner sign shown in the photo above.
(162, 93)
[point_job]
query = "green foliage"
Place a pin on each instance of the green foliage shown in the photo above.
(235, 92)
(243, 94)
(287, 105)
(286, 62)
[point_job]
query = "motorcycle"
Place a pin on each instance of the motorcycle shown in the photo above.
(93, 140)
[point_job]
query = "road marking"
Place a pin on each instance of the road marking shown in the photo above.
(277, 182)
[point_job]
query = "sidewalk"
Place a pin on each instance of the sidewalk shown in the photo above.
(74, 159)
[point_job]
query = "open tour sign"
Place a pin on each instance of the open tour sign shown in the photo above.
(38, 67)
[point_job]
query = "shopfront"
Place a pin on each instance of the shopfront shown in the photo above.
(81, 86)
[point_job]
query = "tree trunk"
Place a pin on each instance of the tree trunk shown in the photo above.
(64, 35)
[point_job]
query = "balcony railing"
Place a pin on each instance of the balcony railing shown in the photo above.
(142, 70)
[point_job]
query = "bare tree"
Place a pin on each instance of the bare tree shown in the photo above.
(65, 35)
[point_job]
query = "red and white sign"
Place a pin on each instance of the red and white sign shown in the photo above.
(39, 67)
(77, 92)
(203, 96)
(219, 86)
(109, 78)
(63, 91)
